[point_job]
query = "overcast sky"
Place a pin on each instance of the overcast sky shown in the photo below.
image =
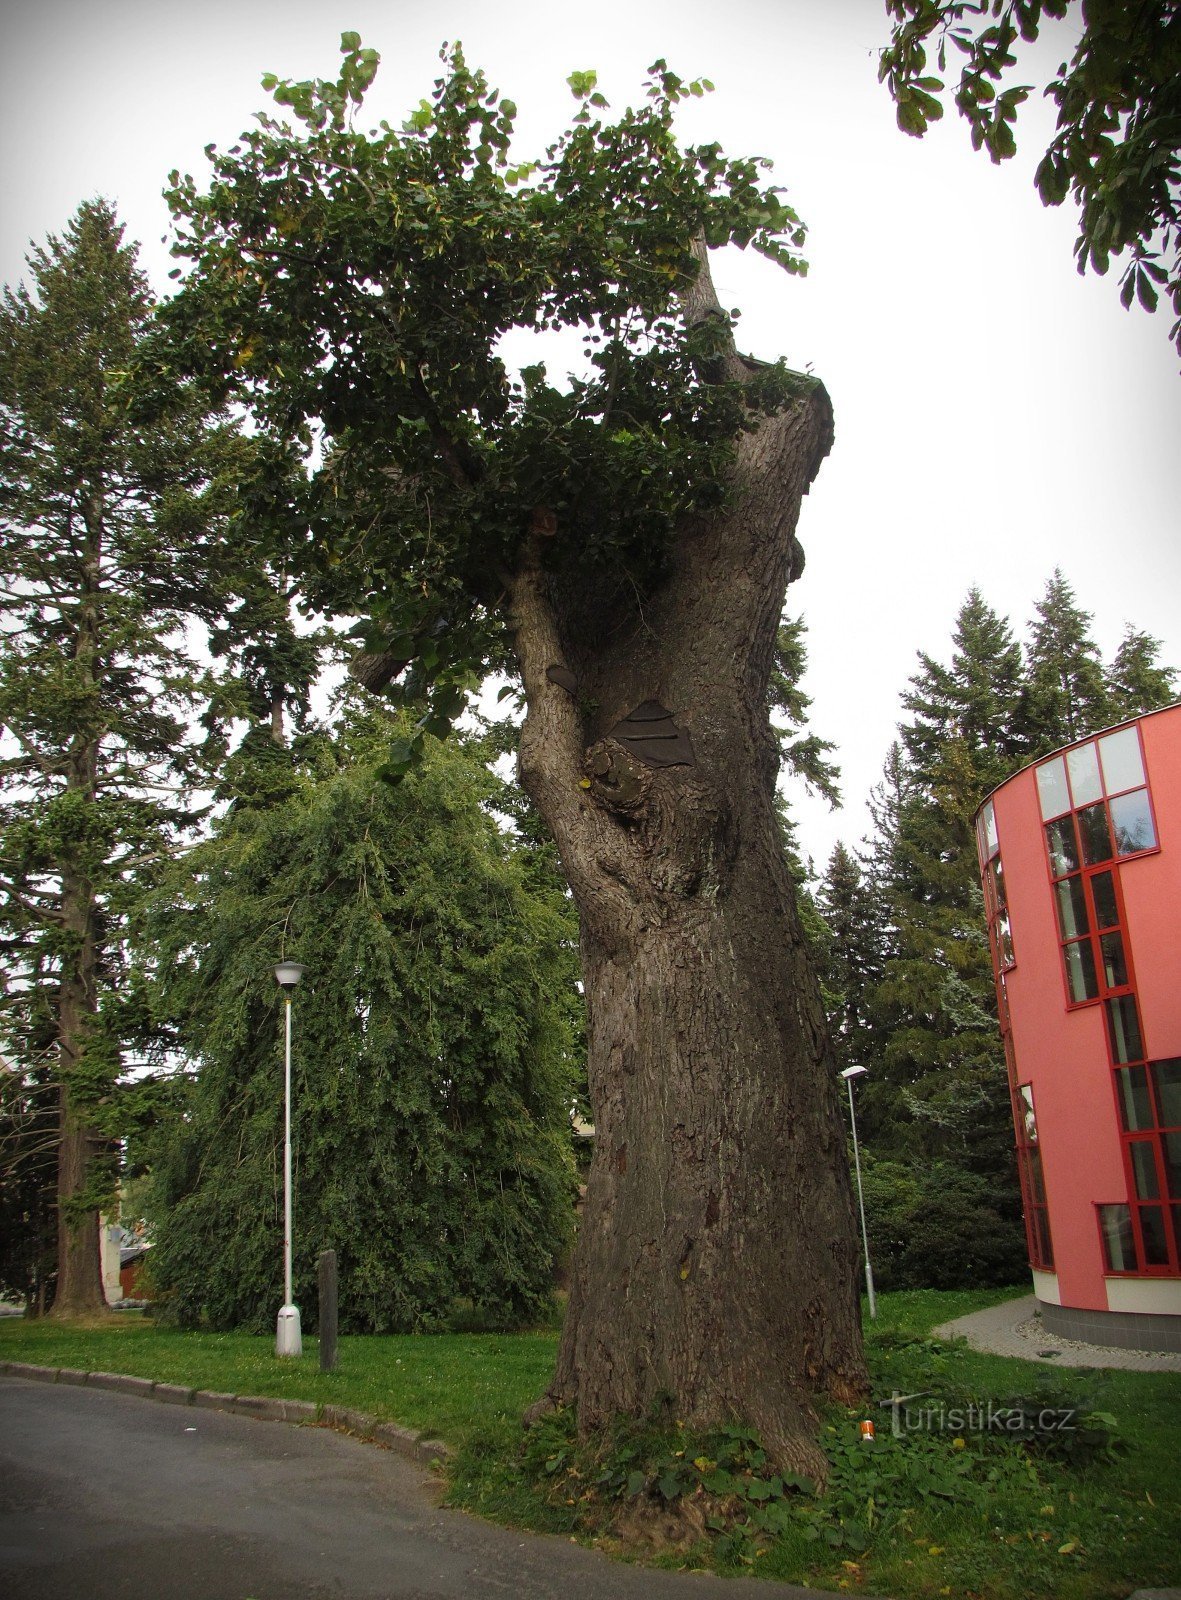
(996, 414)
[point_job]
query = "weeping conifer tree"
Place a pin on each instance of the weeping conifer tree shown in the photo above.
(434, 1064)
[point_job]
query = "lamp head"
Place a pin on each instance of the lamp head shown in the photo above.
(852, 1072)
(288, 974)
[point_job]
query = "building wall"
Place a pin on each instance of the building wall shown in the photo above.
(1059, 1047)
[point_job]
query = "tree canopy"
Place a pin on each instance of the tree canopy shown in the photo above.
(352, 290)
(1117, 150)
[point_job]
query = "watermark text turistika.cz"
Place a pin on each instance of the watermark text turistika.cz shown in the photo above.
(909, 1414)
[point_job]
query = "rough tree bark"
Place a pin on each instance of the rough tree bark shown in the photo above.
(79, 1287)
(715, 1274)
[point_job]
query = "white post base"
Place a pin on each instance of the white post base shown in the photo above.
(288, 1339)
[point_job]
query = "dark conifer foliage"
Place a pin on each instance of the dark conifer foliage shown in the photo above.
(1066, 695)
(436, 1049)
(108, 513)
(1136, 681)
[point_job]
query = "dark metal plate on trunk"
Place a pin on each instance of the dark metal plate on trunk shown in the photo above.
(650, 734)
(563, 677)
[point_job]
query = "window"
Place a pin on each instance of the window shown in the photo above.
(996, 900)
(1144, 1235)
(1033, 1185)
(1082, 846)
(1101, 787)
(1119, 1245)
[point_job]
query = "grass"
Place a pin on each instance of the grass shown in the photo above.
(456, 1387)
(981, 1517)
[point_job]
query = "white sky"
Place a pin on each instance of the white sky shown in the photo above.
(996, 414)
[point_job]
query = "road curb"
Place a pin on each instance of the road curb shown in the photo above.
(263, 1408)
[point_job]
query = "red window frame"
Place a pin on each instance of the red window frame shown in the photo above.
(1148, 1137)
(1090, 964)
(1039, 1243)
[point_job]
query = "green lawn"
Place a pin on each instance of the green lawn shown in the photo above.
(973, 1517)
(452, 1386)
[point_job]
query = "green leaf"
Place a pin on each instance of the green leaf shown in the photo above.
(349, 42)
(1145, 293)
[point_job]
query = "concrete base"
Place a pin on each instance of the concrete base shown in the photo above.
(288, 1337)
(1124, 1330)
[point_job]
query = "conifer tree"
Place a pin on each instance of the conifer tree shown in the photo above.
(942, 1092)
(105, 514)
(1066, 694)
(1136, 680)
(852, 955)
(435, 1062)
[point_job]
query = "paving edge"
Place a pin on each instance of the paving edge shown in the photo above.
(264, 1408)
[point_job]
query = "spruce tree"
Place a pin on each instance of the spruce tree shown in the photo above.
(942, 1090)
(852, 955)
(1066, 693)
(1136, 680)
(106, 513)
(435, 1059)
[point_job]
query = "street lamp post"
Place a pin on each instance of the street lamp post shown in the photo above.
(849, 1074)
(288, 1339)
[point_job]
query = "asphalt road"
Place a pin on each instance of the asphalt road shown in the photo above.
(105, 1496)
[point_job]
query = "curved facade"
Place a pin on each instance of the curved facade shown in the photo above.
(1081, 865)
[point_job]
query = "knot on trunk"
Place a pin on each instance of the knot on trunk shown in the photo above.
(674, 827)
(619, 782)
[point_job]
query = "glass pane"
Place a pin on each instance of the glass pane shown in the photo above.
(1152, 1231)
(1072, 908)
(1131, 817)
(1005, 939)
(1166, 1080)
(1115, 968)
(1080, 970)
(1094, 833)
(1051, 788)
(1123, 1028)
(998, 883)
(1103, 895)
(1028, 1117)
(1135, 1107)
(1083, 766)
(1063, 850)
(1041, 1238)
(1123, 767)
(1147, 1184)
(1171, 1150)
(988, 830)
(1118, 1244)
(1037, 1182)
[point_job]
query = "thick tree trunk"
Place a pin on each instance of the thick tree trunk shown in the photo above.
(715, 1274)
(79, 1290)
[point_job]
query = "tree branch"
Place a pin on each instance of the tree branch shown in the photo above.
(701, 306)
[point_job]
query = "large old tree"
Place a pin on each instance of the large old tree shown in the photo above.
(106, 549)
(623, 542)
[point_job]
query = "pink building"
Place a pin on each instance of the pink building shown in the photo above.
(1081, 862)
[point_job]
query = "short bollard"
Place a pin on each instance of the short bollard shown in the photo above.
(327, 1310)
